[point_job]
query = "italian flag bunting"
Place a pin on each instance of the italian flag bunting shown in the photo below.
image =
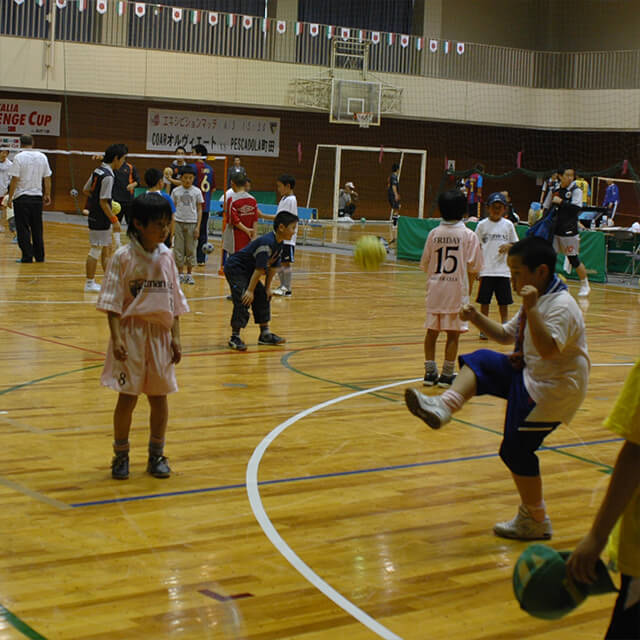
(281, 27)
(139, 8)
(375, 37)
(360, 35)
(213, 18)
(231, 20)
(446, 46)
(40, 3)
(265, 25)
(460, 48)
(329, 32)
(419, 43)
(247, 22)
(82, 5)
(314, 30)
(19, 1)
(120, 7)
(299, 28)
(195, 16)
(391, 38)
(404, 41)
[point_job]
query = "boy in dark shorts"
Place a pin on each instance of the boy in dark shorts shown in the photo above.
(244, 271)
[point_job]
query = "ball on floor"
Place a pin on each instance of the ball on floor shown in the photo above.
(369, 253)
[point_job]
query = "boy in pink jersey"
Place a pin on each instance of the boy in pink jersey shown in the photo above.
(451, 259)
(143, 301)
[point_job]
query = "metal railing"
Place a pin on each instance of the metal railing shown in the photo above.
(156, 28)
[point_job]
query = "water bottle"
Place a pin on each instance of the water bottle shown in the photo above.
(604, 221)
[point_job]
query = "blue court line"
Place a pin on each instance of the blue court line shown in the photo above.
(336, 474)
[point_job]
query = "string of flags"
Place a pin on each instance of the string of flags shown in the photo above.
(248, 22)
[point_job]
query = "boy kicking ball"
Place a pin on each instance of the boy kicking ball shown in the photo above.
(544, 380)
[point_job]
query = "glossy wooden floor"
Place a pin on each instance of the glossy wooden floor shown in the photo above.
(393, 516)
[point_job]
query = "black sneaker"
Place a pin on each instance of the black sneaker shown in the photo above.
(430, 379)
(446, 381)
(158, 467)
(235, 342)
(287, 292)
(271, 339)
(120, 466)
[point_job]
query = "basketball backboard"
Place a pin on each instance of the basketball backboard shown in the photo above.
(349, 97)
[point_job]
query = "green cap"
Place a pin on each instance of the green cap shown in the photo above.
(544, 588)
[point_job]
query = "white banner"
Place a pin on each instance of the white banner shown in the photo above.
(11, 142)
(222, 134)
(27, 116)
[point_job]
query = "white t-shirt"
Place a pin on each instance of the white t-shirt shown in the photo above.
(187, 203)
(289, 203)
(5, 179)
(492, 236)
(557, 385)
(30, 167)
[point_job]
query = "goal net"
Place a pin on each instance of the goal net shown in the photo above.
(629, 192)
(368, 168)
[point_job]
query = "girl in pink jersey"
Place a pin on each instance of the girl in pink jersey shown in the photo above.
(143, 301)
(451, 259)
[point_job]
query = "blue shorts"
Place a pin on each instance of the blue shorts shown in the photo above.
(495, 376)
(288, 251)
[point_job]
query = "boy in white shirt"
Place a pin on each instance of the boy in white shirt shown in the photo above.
(285, 185)
(188, 200)
(5, 164)
(496, 234)
(544, 380)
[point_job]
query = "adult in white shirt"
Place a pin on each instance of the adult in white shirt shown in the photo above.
(30, 169)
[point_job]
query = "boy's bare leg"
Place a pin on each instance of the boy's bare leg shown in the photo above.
(430, 344)
(504, 312)
(158, 418)
(451, 348)
(122, 421)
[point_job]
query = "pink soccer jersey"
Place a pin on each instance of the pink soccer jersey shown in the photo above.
(451, 250)
(143, 285)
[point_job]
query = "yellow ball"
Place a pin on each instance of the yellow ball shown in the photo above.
(115, 207)
(369, 253)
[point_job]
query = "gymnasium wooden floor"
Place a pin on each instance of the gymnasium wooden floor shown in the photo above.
(372, 506)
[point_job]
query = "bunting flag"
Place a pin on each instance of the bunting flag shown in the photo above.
(213, 18)
(345, 33)
(314, 30)
(82, 5)
(176, 14)
(61, 4)
(195, 16)
(281, 26)
(19, 1)
(519, 160)
(460, 48)
(247, 22)
(299, 152)
(40, 3)
(299, 28)
(381, 154)
(329, 32)
(625, 167)
(101, 6)
(404, 41)
(419, 43)
(120, 7)
(391, 38)
(375, 37)
(139, 8)
(231, 20)
(433, 46)
(446, 163)
(361, 35)
(265, 25)
(446, 45)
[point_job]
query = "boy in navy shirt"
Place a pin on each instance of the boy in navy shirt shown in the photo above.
(244, 270)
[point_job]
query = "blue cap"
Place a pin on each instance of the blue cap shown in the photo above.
(497, 197)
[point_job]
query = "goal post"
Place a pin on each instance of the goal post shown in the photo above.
(337, 155)
(629, 193)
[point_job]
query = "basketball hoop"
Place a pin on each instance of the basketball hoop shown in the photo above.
(364, 118)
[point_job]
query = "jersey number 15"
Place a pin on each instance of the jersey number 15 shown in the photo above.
(447, 260)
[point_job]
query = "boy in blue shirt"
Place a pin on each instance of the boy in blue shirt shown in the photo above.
(244, 271)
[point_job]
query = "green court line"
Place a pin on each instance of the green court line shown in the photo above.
(19, 625)
(605, 468)
(54, 375)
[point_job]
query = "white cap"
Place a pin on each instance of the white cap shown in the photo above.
(350, 185)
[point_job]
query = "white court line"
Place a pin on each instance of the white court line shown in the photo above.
(93, 302)
(276, 539)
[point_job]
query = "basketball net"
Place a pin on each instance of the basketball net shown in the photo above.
(364, 119)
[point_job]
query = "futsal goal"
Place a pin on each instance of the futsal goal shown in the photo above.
(629, 191)
(369, 169)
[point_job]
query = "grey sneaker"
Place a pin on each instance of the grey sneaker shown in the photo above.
(271, 339)
(158, 467)
(524, 527)
(188, 279)
(120, 466)
(429, 409)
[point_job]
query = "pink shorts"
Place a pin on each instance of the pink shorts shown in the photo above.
(148, 368)
(445, 322)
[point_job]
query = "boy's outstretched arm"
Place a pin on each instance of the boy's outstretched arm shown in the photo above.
(624, 482)
(492, 329)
